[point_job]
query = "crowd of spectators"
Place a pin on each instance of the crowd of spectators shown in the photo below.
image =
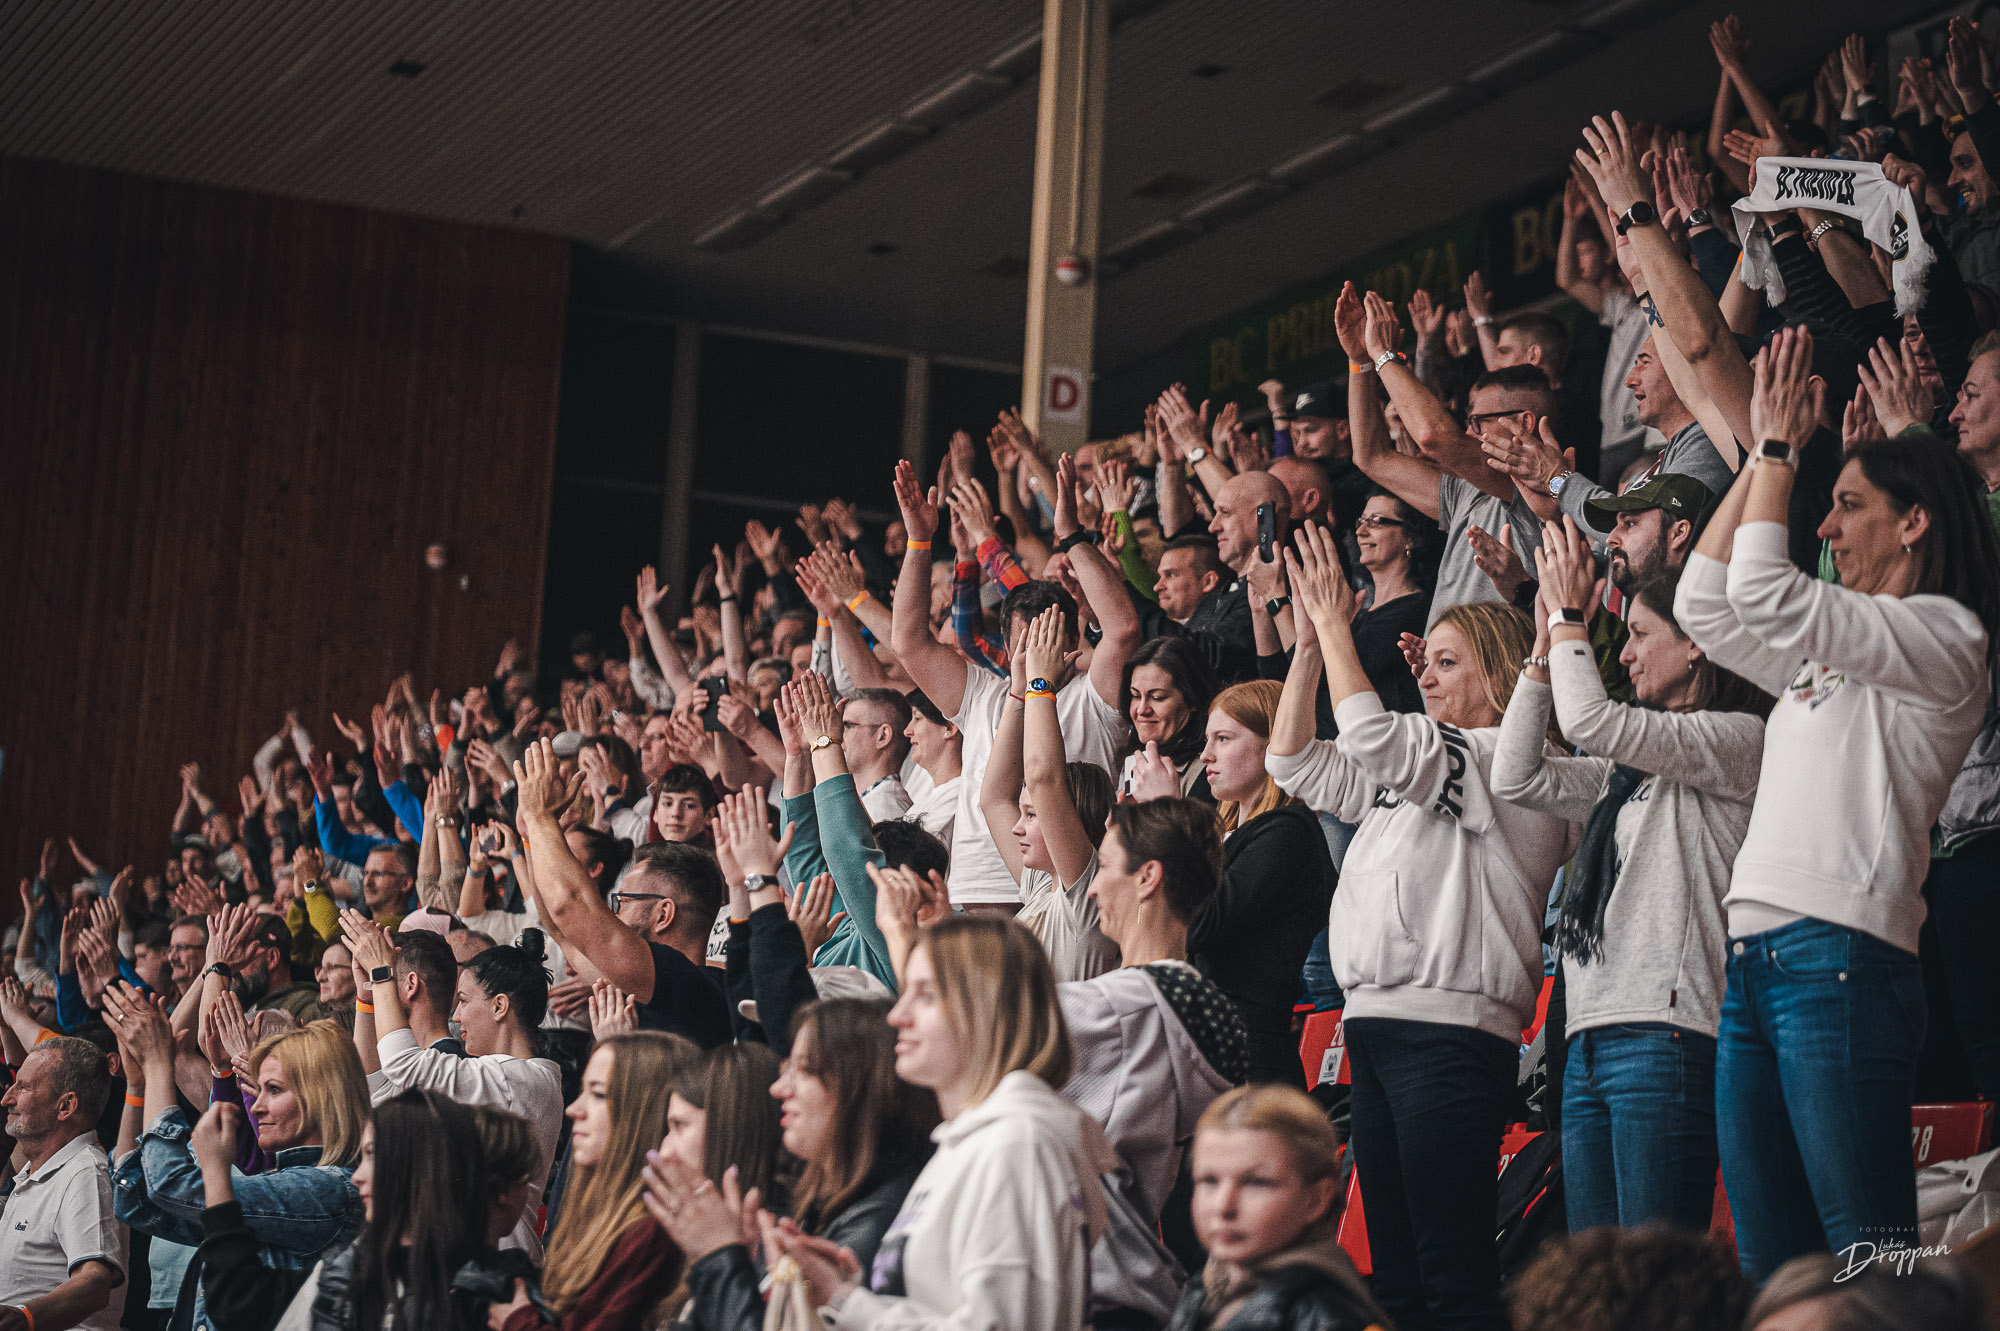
(917, 933)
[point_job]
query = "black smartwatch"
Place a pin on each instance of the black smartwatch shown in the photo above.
(1275, 604)
(1641, 213)
(381, 974)
(1081, 536)
(222, 968)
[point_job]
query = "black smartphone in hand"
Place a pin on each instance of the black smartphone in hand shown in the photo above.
(1267, 531)
(711, 719)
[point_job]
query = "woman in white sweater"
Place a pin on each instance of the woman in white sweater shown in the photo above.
(997, 1229)
(1435, 931)
(1664, 797)
(1881, 687)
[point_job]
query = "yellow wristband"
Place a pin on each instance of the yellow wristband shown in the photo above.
(916, 545)
(862, 595)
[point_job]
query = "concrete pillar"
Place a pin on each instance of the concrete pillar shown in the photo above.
(1069, 158)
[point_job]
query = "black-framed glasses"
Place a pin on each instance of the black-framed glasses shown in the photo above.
(1377, 520)
(1476, 423)
(617, 900)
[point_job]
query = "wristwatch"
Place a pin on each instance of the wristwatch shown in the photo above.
(1776, 450)
(1699, 218)
(1641, 213)
(1558, 481)
(755, 882)
(1569, 615)
(222, 968)
(1385, 358)
(381, 975)
(1196, 454)
(1039, 685)
(819, 743)
(1081, 536)
(1275, 604)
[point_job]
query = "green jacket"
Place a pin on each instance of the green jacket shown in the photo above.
(832, 835)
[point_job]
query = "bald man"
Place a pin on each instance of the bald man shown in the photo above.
(1221, 623)
(1308, 487)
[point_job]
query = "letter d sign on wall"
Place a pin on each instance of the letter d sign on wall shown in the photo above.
(1062, 394)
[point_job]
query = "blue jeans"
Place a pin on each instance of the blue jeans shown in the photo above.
(1429, 1103)
(1321, 989)
(1815, 1062)
(1638, 1125)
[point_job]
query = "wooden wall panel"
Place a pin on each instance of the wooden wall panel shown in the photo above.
(229, 427)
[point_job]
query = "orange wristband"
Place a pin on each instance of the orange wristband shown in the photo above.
(861, 596)
(136, 1102)
(916, 545)
(369, 1008)
(823, 623)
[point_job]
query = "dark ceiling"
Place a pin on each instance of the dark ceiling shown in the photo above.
(876, 154)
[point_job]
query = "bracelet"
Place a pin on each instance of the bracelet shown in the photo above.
(916, 545)
(27, 1313)
(366, 1008)
(137, 1101)
(724, 600)
(1015, 696)
(1385, 358)
(1813, 236)
(1483, 321)
(1541, 661)
(862, 595)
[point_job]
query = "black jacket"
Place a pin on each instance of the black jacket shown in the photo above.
(725, 1283)
(243, 1294)
(1293, 1298)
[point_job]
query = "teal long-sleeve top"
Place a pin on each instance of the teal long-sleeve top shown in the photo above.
(832, 835)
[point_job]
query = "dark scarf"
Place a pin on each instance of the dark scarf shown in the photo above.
(1587, 895)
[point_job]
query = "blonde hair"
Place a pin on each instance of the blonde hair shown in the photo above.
(324, 1072)
(1497, 637)
(1294, 1119)
(603, 1200)
(999, 994)
(1253, 704)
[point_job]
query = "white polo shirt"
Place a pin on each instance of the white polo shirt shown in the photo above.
(57, 1218)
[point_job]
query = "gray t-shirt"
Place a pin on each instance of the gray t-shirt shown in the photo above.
(1462, 504)
(1617, 409)
(1689, 453)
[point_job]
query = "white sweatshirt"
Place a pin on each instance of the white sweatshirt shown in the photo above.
(1438, 915)
(995, 1231)
(1675, 838)
(1879, 699)
(530, 1087)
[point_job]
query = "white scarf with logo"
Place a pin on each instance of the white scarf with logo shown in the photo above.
(1859, 190)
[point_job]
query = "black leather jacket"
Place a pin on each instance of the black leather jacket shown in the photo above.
(724, 1284)
(1292, 1298)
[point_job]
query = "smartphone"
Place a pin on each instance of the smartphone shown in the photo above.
(1267, 531)
(711, 719)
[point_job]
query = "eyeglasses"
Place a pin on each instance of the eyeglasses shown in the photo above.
(1476, 423)
(367, 874)
(1377, 520)
(617, 900)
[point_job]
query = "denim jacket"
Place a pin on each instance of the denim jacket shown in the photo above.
(297, 1210)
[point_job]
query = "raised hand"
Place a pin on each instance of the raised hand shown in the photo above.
(920, 510)
(195, 897)
(765, 543)
(1414, 650)
(1385, 331)
(1614, 163)
(1427, 318)
(1567, 569)
(1786, 396)
(1067, 514)
(141, 1023)
(1478, 301)
(811, 909)
(1350, 324)
(319, 767)
(1497, 559)
(971, 506)
(213, 1140)
(1526, 452)
(1858, 423)
(229, 936)
(191, 778)
(813, 705)
(612, 1011)
(1188, 428)
(840, 517)
(366, 941)
(1041, 651)
(1318, 582)
(1889, 376)
(1962, 65)
(1153, 776)
(739, 822)
(1726, 39)
(540, 791)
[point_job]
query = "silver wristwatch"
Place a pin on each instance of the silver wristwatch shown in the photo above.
(1558, 481)
(1196, 454)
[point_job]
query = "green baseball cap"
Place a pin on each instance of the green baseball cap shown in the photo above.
(1681, 495)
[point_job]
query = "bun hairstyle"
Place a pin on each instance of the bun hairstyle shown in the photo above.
(518, 972)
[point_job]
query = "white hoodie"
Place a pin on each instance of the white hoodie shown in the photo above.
(995, 1231)
(1438, 915)
(1879, 700)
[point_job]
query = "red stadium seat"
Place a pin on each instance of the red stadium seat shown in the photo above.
(1323, 1050)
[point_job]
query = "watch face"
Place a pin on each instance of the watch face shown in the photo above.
(1040, 686)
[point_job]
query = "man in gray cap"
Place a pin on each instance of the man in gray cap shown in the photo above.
(1319, 433)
